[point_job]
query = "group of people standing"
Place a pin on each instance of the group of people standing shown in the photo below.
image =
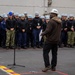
(22, 30)
(68, 31)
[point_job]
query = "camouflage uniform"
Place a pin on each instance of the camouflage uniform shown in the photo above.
(71, 32)
(10, 32)
(10, 37)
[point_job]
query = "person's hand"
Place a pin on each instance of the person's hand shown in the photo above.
(65, 29)
(41, 34)
(12, 29)
(23, 30)
(30, 28)
(38, 27)
(72, 29)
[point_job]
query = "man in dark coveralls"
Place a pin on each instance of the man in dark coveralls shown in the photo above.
(52, 33)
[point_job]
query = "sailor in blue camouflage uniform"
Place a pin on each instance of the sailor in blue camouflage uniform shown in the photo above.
(37, 26)
(22, 32)
(3, 28)
(71, 30)
(30, 31)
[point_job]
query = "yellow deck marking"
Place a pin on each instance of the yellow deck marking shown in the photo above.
(8, 71)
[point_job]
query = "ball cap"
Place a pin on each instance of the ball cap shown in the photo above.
(55, 11)
(42, 17)
(10, 13)
(64, 15)
(25, 13)
(16, 14)
(22, 15)
(71, 15)
(30, 16)
(5, 15)
(36, 13)
(47, 17)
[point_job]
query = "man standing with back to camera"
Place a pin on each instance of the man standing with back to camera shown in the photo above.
(52, 33)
